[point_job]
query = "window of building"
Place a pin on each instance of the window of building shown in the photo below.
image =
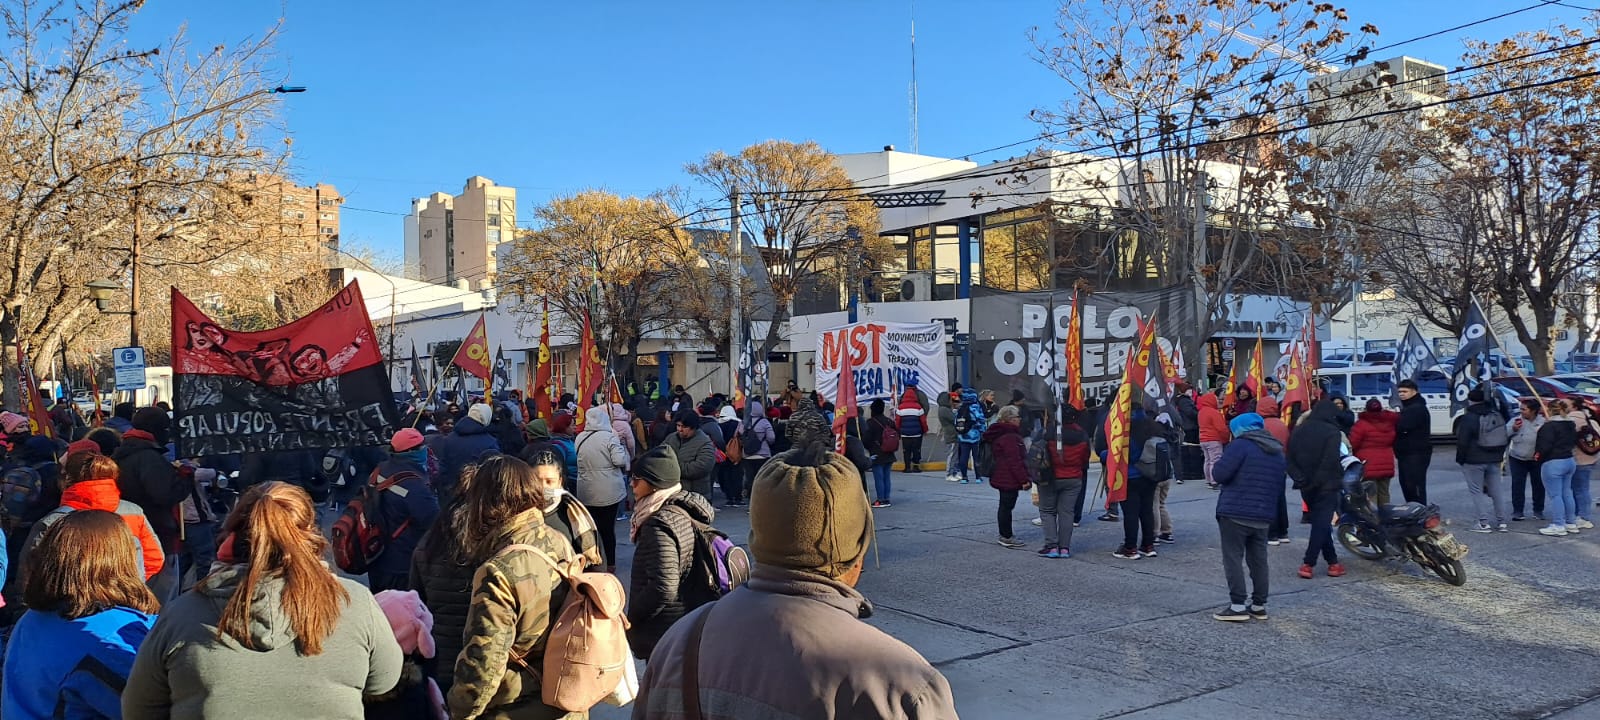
(494, 235)
(494, 221)
(1016, 254)
(491, 205)
(327, 216)
(327, 231)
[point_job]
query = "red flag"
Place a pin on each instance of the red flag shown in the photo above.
(1074, 355)
(1117, 429)
(1139, 356)
(473, 355)
(1257, 378)
(1295, 385)
(38, 415)
(616, 392)
(844, 407)
(591, 372)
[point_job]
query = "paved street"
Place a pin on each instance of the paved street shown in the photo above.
(1019, 636)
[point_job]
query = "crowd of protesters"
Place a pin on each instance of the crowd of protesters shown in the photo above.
(144, 585)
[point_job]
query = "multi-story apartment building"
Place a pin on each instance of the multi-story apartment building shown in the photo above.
(449, 239)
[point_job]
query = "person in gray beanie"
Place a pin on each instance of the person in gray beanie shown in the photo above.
(798, 617)
(663, 532)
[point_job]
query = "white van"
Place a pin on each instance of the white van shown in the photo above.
(1363, 382)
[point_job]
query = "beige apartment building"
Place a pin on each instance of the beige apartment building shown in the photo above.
(451, 239)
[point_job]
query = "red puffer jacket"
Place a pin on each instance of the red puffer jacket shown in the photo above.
(1010, 468)
(1213, 426)
(1372, 439)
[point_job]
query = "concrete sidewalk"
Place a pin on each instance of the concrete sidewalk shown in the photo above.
(1020, 636)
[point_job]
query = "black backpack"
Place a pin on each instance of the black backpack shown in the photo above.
(1155, 461)
(716, 568)
(749, 438)
(964, 418)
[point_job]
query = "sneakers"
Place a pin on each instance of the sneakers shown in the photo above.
(1585, 524)
(1273, 543)
(1554, 531)
(1306, 571)
(880, 503)
(952, 478)
(965, 481)
(1228, 614)
(1165, 538)
(1126, 554)
(1148, 551)
(1519, 517)
(1481, 527)
(1037, 522)
(1572, 529)
(1503, 528)
(1258, 612)
(1062, 553)
(624, 516)
(1283, 541)
(1336, 570)
(1109, 517)
(1054, 554)
(1046, 550)
(1074, 523)
(1012, 543)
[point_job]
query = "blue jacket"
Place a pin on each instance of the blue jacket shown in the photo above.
(470, 441)
(980, 422)
(410, 499)
(75, 666)
(1251, 472)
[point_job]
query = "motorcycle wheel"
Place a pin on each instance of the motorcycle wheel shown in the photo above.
(1352, 542)
(1451, 571)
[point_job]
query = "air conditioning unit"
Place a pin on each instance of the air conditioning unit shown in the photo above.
(916, 286)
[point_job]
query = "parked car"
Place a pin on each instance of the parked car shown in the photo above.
(1585, 383)
(1546, 389)
(1360, 383)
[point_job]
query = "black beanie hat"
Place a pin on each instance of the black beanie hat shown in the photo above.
(659, 467)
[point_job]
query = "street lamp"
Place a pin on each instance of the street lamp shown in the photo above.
(101, 292)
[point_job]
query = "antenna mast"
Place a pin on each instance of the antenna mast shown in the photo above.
(914, 148)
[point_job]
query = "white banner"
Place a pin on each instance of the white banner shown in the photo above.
(885, 358)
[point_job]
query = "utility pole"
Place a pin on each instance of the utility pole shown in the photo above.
(735, 268)
(133, 289)
(1197, 260)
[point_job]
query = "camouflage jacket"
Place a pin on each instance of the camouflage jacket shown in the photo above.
(515, 598)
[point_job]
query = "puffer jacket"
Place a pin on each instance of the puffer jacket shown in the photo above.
(445, 585)
(1522, 441)
(148, 480)
(470, 441)
(947, 421)
(1372, 440)
(662, 555)
(696, 457)
(601, 461)
(1413, 433)
(979, 421)
(1213, 426)
(1469, 451)
(912, 416)
(1557, 440)
(872, 437)
(411, 500)
(1069, 459)
(102, 495)
(1314, 455)
(1250, 475)
(802, 627)
(513, 597)
(1010, 466)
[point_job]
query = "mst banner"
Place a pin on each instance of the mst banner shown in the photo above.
(1009, 335)
(318, 382)
(884, 358)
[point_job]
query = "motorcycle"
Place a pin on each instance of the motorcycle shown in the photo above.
(1411, 531)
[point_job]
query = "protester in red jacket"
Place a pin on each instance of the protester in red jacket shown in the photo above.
(1372, 440)
(1268, 408)
(1010, 473)
(1213, 433)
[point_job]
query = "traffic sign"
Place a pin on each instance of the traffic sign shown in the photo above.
(129, 365)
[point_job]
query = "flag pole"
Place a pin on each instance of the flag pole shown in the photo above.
(1523, 375)
(417, 416)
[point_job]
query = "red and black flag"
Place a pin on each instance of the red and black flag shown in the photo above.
(318, 382)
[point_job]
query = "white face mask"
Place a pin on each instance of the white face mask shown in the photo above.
(552, 498)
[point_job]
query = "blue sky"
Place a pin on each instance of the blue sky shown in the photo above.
(407, 98)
